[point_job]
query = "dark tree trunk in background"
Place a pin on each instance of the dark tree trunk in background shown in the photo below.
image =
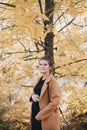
(48, 40)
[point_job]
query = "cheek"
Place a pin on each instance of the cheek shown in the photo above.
(48, 68)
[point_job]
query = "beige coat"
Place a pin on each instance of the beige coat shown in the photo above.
(49, 104)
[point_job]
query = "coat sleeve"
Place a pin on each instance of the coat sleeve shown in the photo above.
(54, 102)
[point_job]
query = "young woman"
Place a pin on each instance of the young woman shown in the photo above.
(45, 99)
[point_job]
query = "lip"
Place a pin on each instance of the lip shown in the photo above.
(42, 68)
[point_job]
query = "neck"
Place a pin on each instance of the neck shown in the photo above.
(45, 75)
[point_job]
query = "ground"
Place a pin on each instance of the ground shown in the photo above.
(76, 123)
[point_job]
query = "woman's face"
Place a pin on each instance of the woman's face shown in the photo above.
(44, 66)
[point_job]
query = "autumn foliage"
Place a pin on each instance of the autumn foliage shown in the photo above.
(22, 34)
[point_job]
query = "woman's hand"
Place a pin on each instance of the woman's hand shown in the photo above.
(37, 118)
(35, 97)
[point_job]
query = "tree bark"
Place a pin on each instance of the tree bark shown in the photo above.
(48, 40)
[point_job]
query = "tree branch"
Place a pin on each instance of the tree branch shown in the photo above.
(61, 76)
(59, 17)
(70, 63)
(63, 116)
(79, 25)
(34, 58)
(27, 86)
(9, 27)
(27, 51)
(67, 25)
(22, 45)
(40, 4)
(7, 4)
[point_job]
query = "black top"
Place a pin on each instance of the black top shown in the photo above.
(35, 124)
(37, 90)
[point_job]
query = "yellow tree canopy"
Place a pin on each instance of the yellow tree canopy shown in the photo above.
(22, 36)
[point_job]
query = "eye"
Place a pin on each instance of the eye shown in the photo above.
(40, 64)
(45, 64)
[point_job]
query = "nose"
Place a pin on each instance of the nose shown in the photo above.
(42, 65)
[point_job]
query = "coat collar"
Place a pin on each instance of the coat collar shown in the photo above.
(45, 85)
(49, 78)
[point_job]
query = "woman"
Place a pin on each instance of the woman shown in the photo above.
(45, 100)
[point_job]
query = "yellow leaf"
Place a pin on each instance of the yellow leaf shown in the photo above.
(72, 9)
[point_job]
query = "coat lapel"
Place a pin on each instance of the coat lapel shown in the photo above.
(45, 85)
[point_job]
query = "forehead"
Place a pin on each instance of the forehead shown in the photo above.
(44, 61)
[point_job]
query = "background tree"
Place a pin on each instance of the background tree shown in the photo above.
(48, 41)
(27, 31)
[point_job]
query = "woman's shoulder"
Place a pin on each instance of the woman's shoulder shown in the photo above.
(54, 81)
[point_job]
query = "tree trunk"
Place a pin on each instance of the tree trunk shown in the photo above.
(48, 40)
